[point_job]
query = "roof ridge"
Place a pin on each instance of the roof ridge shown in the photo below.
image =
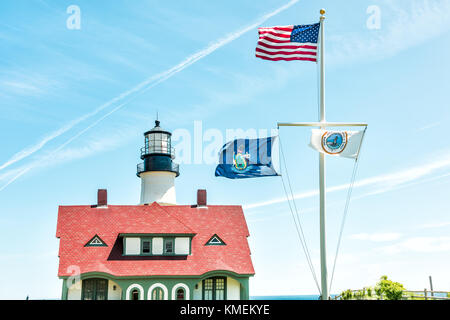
(172, 216)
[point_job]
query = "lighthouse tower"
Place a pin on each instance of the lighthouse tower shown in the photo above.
(158, 171)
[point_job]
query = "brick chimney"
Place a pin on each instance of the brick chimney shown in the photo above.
(102, 198)
(201, 198)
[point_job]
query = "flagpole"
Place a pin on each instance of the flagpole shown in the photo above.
(323, 251)
(323, 124)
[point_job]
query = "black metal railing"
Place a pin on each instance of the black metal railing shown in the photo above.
(157, 149)
(175, 167)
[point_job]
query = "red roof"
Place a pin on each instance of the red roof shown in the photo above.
(78, 224)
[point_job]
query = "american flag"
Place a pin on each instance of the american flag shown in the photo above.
(288, 42)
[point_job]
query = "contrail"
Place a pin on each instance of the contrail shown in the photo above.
(137, 90)
(30, 150)
(49, 156)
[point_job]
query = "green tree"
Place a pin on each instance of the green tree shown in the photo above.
(347, 295)
(389, 289)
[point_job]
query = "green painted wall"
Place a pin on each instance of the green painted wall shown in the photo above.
(168, 281)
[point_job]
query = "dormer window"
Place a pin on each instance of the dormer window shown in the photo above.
(95, 242)
(156, 244)
(146, 246)
(168, 246)
(215, 241)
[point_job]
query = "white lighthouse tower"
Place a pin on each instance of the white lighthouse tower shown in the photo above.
(158, 171)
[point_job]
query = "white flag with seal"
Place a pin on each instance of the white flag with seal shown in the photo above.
(337, 143)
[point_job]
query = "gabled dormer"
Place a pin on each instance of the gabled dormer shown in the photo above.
(96, 241)
(215, 241)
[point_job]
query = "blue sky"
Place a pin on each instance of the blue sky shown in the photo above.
(74, 105)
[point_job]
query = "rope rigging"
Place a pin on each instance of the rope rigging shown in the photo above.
(297, 222)
(347, 203)
(296, 216)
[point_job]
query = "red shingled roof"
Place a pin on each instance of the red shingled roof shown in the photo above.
(78, 224)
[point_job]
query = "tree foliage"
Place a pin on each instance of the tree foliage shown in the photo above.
(347, 295)
(389, 289)
(384, 289)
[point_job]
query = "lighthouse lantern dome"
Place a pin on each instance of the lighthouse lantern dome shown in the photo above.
(157, 141)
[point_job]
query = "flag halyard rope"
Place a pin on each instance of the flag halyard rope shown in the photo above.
(347, 203)
(297, 222)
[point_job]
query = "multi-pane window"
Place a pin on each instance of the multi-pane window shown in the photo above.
(94, 289)
(220, 289)
(214, 288)
(146, 144)
(157, 294)
(157, 142)
(146, 246)
(168, 246)
(208, 287)
(156, 245)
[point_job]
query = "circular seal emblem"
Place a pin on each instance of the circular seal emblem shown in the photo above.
(334, 142)
(240, 160)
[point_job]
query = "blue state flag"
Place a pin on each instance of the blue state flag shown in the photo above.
(247, 158)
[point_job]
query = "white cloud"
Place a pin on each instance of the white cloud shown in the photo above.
(435, 225)
(21, 87)
(409, 24)
(23, 82)
(418, 244)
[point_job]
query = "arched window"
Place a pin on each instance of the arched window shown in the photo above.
(157, 294)
(180, 294)
(135, 294)
(180, 291)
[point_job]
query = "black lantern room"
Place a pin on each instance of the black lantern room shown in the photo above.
(157, 152)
